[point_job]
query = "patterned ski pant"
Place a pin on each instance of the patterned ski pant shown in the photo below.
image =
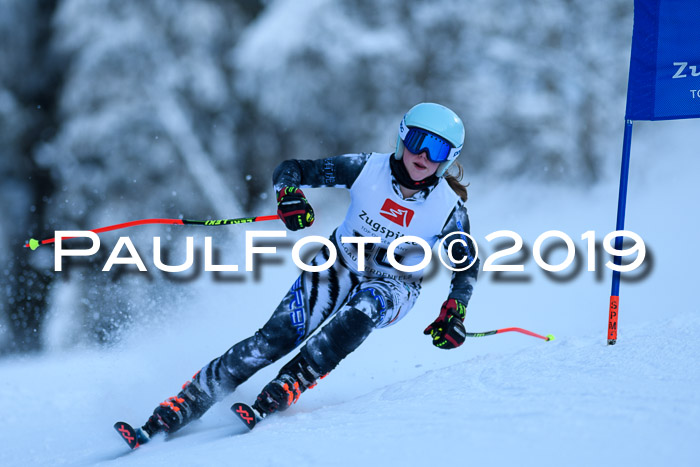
(350, 304)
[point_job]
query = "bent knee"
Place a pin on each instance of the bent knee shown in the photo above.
(372, 302)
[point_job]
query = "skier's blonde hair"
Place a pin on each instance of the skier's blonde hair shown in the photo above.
(455, 181)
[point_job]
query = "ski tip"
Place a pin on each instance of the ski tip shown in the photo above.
(128, 434)
(550, 337)
(245, 414)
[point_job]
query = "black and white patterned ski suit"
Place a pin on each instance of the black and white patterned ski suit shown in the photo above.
(348, 303)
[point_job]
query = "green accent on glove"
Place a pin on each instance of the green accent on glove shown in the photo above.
(447, 331)
(294, 209)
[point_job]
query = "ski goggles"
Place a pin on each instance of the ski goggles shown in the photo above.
(436, 148)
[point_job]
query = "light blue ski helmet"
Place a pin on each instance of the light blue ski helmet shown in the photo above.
(438, 120)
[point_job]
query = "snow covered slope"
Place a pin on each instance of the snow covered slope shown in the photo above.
(397, 400)
(571, 402)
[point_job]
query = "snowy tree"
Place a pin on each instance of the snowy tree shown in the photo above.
(27, 78)
(147, 130)
(540, 85)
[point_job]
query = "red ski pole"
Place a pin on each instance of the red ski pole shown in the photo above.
(34, 244)
(548, 337)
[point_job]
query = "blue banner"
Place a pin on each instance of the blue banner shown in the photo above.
(664, 80)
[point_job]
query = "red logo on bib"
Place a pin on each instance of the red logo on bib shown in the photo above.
(396, 214)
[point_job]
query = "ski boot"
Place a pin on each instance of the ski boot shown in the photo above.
(279, 394)
(176, 412)
(169, 416)
(294, 378)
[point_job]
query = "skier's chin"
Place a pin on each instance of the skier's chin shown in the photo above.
(419, 175)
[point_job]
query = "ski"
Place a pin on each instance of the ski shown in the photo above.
(133, 437)
(246, 414)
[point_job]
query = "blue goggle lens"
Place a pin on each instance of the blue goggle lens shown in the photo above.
(418, 140)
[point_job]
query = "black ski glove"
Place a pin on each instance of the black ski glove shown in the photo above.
(293, 208)
(448, 330)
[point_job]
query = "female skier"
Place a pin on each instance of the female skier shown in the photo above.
(392, 195)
